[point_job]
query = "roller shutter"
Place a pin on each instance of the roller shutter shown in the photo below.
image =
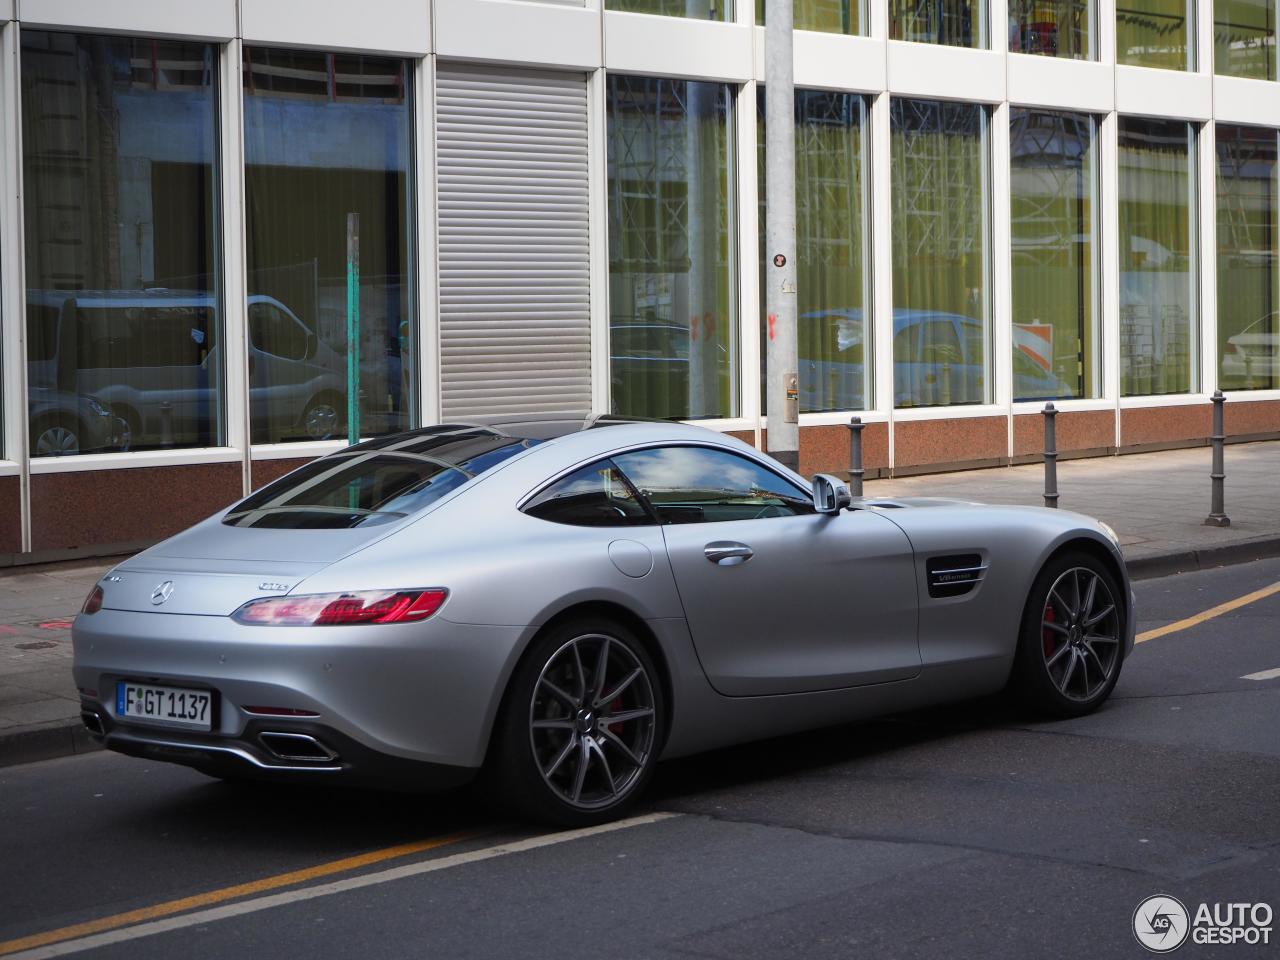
(515, 330)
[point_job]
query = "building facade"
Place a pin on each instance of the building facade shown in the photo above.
(217, 216)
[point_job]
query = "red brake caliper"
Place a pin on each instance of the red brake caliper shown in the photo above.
(1046, 633)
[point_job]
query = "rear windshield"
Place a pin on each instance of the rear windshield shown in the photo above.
(376, 482)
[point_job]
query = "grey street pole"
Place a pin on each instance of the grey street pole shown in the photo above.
(782, 388)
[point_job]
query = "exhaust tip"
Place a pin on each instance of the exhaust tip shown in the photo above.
(296, 746)
(92, 722)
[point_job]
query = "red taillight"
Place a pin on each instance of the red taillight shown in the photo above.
(342, 609)
(93, 602)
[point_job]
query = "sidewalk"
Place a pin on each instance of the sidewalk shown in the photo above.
(1156, 502)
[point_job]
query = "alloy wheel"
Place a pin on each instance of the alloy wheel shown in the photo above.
(592, 721)
(57, 441)
(321, 421)
(1080, 634)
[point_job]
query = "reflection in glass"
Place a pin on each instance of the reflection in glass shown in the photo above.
(700, 485)
(123, 311)
(694, 9)
(952, 23)
(1248, 269)
(1157, 260)
(1053, 179)
(825, 16)
(831, 259)
(673, 350)
(1155, 33)
(941, 300)
(1052, 28)
(327, 135)
(1244, 38)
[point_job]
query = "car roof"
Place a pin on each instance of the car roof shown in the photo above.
(530, 426)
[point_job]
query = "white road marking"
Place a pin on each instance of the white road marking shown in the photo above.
(326, 889)
(1264, 675)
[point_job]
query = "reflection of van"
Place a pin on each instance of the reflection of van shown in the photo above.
(152, 357)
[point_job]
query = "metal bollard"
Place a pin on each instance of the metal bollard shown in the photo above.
(855, 456)
(1217, 515)
(1050, 456)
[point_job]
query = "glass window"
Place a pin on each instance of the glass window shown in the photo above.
(595, 496)
(941, 300)
(831, 256)
(952, 23)
(377, 481)
(326, 136)
(1158, 285)
(1054, 178)
(1248, 271)
(701, 485)
(672, 249)
(825, 16)
(280, 334)
(119, 140)
(695, 9)
(1155, 33)
(1052, 28)
(1244, 38)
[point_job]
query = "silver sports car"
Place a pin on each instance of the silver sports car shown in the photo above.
(556, 604)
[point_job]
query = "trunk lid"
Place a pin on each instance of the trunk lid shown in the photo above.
(213, 568)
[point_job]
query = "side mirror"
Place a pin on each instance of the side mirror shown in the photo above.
(830, 495)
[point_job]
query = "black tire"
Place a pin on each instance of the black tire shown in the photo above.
(538, 729)
(1069, 657)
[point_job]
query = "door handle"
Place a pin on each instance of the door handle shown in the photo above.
(727, 553)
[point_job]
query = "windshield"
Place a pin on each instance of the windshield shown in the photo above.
(377, 482)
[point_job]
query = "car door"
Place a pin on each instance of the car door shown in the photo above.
(779, 599)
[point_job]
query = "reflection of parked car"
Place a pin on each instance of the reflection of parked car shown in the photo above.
(938, 359)
(152, 356)
(1251, 359)
(64, 423)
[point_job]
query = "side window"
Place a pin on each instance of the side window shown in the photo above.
(941, 344)
(595, 496)
(276, 333)
(702, 485)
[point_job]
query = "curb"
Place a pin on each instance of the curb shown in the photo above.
(1206, 558)
(45, 742)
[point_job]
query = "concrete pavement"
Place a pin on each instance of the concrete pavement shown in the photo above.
(1157, 503)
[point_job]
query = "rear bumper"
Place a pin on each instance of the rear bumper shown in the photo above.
(261, 752)
(415, 693)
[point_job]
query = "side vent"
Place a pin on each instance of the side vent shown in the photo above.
(955, 575)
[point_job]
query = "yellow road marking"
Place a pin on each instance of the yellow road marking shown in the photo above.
(171, 907)
(1209, 614)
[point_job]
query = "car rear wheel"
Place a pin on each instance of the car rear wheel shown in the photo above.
(55, 437)
(579, 732)
(1072, 641)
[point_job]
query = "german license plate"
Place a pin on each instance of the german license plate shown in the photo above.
(170, 705)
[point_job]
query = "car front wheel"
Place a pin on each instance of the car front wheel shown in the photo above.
(1072, 640)
(580, 727)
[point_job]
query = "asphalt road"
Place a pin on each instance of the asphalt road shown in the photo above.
(962, 831)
